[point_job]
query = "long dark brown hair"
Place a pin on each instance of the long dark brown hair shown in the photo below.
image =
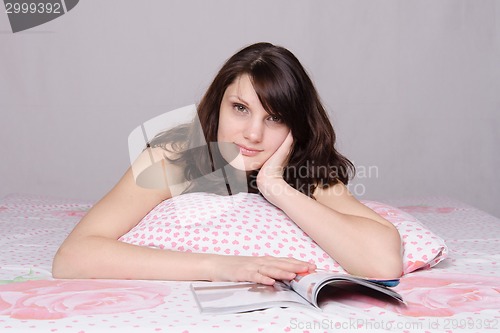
(284, 90)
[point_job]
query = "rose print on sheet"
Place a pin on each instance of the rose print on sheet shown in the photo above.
(33, 274)
(54, 299)
(438, 295)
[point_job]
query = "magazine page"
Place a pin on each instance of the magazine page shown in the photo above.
(231, 297)
(306, 284)
(361, 285)
(309, 285)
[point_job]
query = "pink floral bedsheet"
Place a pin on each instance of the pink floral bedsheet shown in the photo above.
(460, 294)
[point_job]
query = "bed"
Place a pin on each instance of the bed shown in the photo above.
(460, 294)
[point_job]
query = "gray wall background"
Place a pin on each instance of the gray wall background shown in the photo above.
(413, 87)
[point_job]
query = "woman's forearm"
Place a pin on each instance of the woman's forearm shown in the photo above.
(360, 245)
(100, 257)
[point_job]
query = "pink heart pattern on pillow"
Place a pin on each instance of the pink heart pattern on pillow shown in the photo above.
(248, 225)
(243, 224)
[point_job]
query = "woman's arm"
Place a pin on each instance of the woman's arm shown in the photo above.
(92, 249)
(361, 241)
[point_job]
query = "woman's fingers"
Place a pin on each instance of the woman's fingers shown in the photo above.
(262, 276)
(288, 264)
(270, 177)
(273, 269)
(275, 164)
(274, 273)
(265, 270)
(284, 150)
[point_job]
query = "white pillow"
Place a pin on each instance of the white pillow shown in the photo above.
(247, 224)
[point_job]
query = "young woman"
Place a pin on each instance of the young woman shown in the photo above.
(263, 105)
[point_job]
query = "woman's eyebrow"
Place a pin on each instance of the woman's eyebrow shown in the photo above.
(240, 99)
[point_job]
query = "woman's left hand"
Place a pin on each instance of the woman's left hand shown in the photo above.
(270, 177)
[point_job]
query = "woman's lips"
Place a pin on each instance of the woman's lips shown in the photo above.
(246, 151)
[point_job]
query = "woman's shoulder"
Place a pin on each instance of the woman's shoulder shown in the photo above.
(155, 168)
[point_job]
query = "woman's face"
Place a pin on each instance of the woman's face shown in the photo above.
(247, 134)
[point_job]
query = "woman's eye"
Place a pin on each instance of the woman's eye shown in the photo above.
(239, 108)
(275, 119)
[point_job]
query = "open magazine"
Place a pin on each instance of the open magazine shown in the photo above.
(304, 290)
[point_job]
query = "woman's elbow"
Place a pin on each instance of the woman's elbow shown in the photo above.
(391, 267)
(64, 264)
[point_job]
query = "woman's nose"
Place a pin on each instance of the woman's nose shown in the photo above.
(254, 130)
